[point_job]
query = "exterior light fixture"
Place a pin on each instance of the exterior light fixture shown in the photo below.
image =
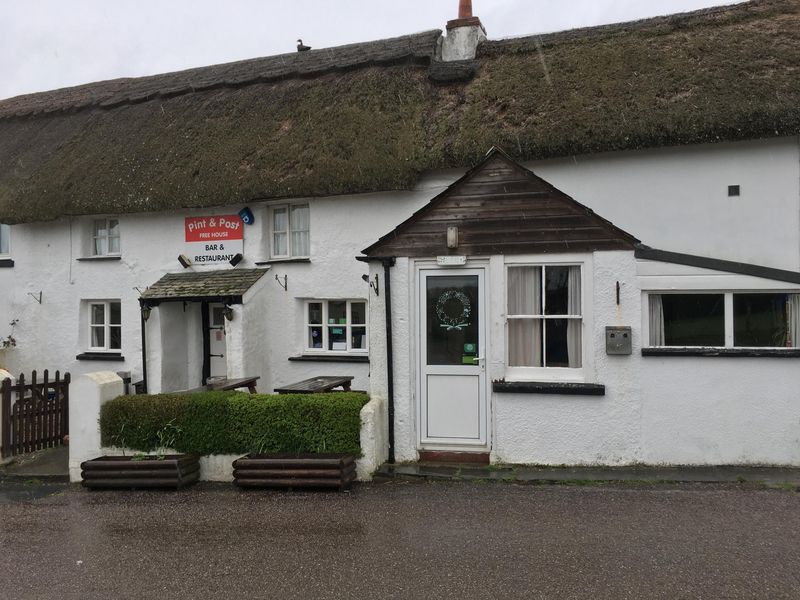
(146, 312)
(184, 260)
(227, 312)
(452, 237)
(237, 258)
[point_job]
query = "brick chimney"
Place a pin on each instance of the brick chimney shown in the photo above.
(463, 34)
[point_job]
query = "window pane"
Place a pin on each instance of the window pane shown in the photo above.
(556, 285)
(694, 319)
(5, 235)
(115, 310)
(451, 322)
(300, 243)
(113, 245)
(99, 246)
(337, 338)
(556, 345)
(113, 227)
(98, 314)
(300, 217)
(525, 343)
(100, 228)
(315, 337)
(279, 244)
(760, 320)
(337, 312)
(279, 220)
(359, 338)
(525, 290)
(358, 313)
(115, 333)
(98, 337)
(315, 312)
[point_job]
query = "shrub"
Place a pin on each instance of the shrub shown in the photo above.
(236, 423)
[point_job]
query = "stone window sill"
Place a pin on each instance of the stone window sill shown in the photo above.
(549, 387)
(6, 263)
(99, 258)
(725, 352)
(102, 356)
(340, 358)
(275, 261)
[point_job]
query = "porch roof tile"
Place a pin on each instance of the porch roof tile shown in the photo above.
(208, 284)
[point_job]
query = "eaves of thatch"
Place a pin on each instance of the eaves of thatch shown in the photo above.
(370, 117)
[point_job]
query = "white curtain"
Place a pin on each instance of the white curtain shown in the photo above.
(300, 226)
(525, 335)
(574, 325)
(793, 320)
(656, 318)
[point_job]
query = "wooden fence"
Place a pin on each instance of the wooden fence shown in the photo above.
(33, 415)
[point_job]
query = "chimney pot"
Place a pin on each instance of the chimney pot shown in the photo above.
(464, 9)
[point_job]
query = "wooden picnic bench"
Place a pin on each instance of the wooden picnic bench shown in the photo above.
(224, 385)
(317, 385)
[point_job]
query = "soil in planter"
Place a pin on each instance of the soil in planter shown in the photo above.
(320, 471)
(169, 472)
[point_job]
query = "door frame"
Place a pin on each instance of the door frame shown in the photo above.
(480, 268)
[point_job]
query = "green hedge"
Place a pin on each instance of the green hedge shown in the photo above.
(235, 423)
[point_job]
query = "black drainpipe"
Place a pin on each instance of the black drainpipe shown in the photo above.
(144, 348)
(388, 263)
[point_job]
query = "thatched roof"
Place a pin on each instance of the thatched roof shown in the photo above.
(369, 117)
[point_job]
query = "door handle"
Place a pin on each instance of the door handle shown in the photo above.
(478, 360)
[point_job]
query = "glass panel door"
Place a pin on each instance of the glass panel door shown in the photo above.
(452, 309)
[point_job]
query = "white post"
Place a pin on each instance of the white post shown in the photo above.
(87, 394)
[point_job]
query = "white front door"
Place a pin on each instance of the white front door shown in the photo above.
(452, 340)
(216, 341)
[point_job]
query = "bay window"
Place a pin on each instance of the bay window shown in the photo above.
(336, 326)
(544, 317)
(724, 319)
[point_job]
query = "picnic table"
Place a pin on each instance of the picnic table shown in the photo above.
(316, 385)
(225, 384)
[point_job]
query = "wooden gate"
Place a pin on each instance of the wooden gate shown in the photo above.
(33, 415)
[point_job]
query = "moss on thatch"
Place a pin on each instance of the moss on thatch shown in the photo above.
(715, 75)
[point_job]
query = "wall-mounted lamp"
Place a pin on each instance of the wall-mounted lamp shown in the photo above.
(146, 310)
(372, 284)
(237, 258)
(452, 237)
(227, 312)
(184, 260)
(247, 216)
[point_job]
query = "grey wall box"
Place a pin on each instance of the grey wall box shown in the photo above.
(618, 340)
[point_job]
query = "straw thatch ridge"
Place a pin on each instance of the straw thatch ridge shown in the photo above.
(368, 117)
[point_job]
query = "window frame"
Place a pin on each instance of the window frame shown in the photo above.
(288, 231)
(105, 238)
(728, 317)
(7, 229)
(106, 325)
(565, 374)
(349, 325)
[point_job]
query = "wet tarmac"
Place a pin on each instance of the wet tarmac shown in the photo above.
(405, 540)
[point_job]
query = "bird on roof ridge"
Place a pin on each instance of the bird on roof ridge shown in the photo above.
(301, 47)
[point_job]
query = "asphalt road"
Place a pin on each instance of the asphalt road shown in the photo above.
(405, 540)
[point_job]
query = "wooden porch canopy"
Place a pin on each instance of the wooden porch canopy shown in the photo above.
(202, 286)
(500, 207)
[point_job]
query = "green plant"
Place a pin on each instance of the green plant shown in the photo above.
(235, 423)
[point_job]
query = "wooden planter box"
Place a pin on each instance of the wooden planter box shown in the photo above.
(171, 472)
(295, 471)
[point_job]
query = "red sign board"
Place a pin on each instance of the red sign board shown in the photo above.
(211, 229)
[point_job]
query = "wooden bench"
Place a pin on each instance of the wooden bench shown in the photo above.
(225, 385)
(317, 385)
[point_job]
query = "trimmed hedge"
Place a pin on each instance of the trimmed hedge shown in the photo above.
(236, 423)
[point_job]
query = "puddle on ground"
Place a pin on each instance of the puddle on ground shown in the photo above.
(27, 491)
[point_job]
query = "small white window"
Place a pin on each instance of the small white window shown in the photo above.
(105, 237)
(290, 231)
(105, 326)
(336, 326)
(5, 239)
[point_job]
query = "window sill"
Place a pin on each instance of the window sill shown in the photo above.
(725, 352)
(101, 258)
(549, 387)
(6, 263)
(106, 356)
(340, 358)
(274, 261)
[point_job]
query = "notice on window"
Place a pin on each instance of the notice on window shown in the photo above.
(214, 240)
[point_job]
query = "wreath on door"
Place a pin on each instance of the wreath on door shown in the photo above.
(453, 320)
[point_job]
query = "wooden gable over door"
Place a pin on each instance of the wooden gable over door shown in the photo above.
(500, 207)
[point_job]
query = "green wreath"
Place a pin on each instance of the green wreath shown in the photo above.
(449, 321)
